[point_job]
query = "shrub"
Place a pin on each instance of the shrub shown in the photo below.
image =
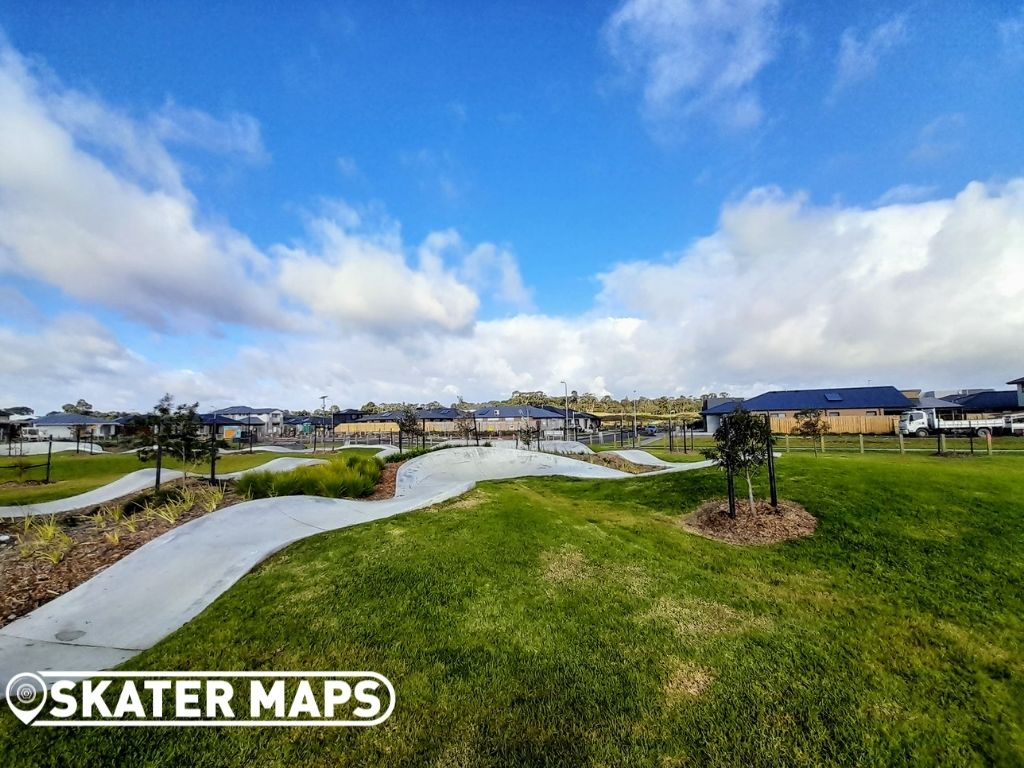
(344, 476)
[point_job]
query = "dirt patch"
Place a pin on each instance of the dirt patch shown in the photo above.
(697, 617)
(687, 681)
(386, 485)
(615, 462)
(765, 525)
(566, 566)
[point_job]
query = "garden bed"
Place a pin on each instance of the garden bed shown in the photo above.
(46, 556)
(766, 525)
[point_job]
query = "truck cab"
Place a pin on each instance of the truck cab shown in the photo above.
(918, 423)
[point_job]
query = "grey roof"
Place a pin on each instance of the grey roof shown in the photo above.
(937, 402)
(1017, 381)
(515, 412)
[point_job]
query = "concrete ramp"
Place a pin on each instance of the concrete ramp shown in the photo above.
(133, 482)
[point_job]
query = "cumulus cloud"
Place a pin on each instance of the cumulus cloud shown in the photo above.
(91, 202)
(789, 292)
(859, 58)
(361, 278)
(696, 56)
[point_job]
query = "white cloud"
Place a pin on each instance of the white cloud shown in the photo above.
(696, 56)
(792, 293)
(906, 193)
(237, 134)
(91, 202)
(939, 138)
(361, 278)
(858, 59)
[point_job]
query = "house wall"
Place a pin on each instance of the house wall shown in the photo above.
(55, 432)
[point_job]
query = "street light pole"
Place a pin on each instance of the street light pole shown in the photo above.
(565, 429)
(634, 418)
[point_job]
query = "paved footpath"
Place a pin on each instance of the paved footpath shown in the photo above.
(156, 589)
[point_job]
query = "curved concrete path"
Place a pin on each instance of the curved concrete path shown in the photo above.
(38, 447)
(114, 615)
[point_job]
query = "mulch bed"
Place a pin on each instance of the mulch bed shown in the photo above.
(386, 485)
(765, 526)
(27, 583)
(615, 462)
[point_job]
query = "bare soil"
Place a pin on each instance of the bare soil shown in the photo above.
(765, 526)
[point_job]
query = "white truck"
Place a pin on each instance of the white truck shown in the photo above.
(924, 422)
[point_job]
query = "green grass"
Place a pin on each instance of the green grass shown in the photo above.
(344, 476)
(72, 474)
(560, 622)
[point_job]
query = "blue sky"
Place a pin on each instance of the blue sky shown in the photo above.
(587, 183)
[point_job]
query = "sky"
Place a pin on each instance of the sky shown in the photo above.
(264, 203)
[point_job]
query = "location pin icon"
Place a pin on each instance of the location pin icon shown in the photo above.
(21, 691)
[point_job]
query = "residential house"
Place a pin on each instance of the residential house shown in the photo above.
(511, 418)
(849, 409)
(440, 420)
(990, 402)
(579, 421)
(64, 426)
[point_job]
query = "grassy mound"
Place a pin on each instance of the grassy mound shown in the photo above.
(552, 621)
(344, 476)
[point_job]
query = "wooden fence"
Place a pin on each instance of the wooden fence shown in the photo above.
(844, 425)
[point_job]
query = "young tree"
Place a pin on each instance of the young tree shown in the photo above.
(742, 443)
(525, 435)
(409, 424)
(465, 425)
(174, 429)
(812, 423)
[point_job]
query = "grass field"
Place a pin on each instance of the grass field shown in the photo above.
(561, 622)
(72, 474)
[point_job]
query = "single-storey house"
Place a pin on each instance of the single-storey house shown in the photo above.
(990, 402)
(849, 409)
(579, 421)
(64, 426)
(432, 419)
(510, 418)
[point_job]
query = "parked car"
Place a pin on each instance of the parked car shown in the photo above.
(650, 430)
